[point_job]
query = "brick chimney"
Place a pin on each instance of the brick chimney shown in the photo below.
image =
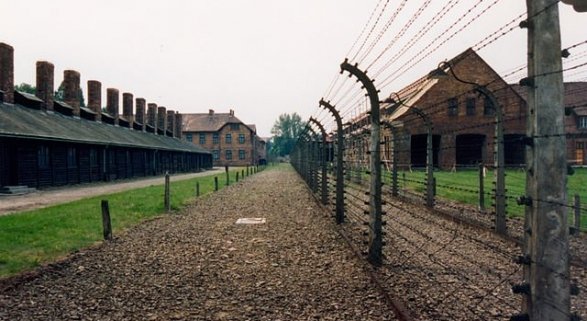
(45, 84)
(112, 97)
(95, 98)
(152, 115)
(232, 113)
(7, 72)
(171, 122)
(71, 79)
(127, 107)
(210, 112)
(162, 119)
(178, 125)
(140, 112)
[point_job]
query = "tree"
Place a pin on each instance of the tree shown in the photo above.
(26, 88)
(285, 132)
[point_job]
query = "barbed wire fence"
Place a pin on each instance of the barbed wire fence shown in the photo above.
(453, 213)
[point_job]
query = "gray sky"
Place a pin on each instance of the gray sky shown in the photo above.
(258, 57)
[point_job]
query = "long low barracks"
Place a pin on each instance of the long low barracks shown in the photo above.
(49, 142)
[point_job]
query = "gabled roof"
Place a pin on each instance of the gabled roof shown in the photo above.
(207, 122)
(252, 127)
(20, 122)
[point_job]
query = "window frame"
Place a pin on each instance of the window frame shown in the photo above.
(241, 138)
(71, 157)
(228, 154)
(470, 106)
(488, 107)
(453, 107)
(216, 154)
(202, 138)
(582, 122)
(189, 137)
(228, 138)
(242, 154)
(43, 157)
(215, 138)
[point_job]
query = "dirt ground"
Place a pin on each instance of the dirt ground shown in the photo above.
(200, 265)
(43, 198)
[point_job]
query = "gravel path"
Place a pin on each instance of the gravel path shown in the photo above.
(43, 198)
(200, 265)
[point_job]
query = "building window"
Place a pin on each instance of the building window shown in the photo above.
(453, 107)
(241, 138)
(228, 139)
(215, 138)
(202, 139)
(489, 108)
(216, 154)
(234, 126)
(93, 157)
(71, 157)
(43, 157)
(189, 137)
(228, 155)
(241, 154)
(583, 122)
(471, 106)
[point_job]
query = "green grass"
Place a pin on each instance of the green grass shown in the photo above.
(463, 185)
(31, 238)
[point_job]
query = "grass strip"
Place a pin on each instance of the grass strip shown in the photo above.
(29, 239)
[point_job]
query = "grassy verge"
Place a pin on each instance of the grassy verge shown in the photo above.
(463, 186)
(31, 238)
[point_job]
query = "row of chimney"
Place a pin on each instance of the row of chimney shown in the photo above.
(157, 119)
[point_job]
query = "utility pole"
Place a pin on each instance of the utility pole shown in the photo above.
(546, 246)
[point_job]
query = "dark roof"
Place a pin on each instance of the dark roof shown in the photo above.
(20, 122)
(252, 127)
(575, 96)
(206, 122)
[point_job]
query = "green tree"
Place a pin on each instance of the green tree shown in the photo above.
(286, 130)
(26, 88)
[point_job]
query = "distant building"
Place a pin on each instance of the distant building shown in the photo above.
(231, 141)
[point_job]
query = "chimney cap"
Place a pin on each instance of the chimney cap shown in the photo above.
(211, 111)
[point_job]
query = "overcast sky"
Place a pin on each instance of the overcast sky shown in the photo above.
(258, 57)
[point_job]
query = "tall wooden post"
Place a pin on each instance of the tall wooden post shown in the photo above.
(106, 222)
(375, 220)
(481, 187)
(167, 200)
(546, 238)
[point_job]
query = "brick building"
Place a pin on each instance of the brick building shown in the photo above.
(231, 141)
(46, 142)
(463, 121)
(575, 101)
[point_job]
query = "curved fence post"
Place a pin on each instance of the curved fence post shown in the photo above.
(324, 173)
(375, 221)
(339, 161)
